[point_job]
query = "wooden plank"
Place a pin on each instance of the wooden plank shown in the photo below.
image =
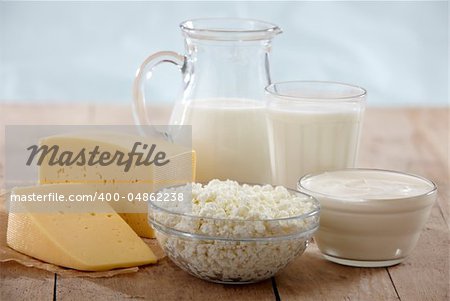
(36, 114)
(119, 114)
(426, 274)
(164, 281)
(21, 283)
(16, 281)
(413, 140)
(311, 277)
(432, 138)
(416, 141)
(58, 113)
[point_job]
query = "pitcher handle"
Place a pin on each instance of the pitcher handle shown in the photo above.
(145, 71)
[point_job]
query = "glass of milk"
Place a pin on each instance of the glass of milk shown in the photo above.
(312, 126)
(369, 217)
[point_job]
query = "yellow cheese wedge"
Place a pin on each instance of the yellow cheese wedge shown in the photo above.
(87, 236)
(113, 179)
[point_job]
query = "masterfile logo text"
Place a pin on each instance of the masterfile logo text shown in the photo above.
(116, 164)
(147, 156)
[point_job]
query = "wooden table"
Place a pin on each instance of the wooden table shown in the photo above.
(412, 140)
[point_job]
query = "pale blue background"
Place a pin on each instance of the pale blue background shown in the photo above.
(88, 52)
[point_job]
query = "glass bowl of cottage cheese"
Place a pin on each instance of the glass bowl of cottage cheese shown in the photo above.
(228, 232)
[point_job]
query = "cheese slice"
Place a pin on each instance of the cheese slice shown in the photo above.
(86, 236)
(113, 179)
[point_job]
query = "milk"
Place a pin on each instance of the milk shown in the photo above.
(230, 138)
(369, 217)
(307, 139)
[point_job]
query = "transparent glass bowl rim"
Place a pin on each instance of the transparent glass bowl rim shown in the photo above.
(306, 231)
(357, 97)
(318, 193)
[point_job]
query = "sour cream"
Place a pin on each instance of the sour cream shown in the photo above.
(369, 217)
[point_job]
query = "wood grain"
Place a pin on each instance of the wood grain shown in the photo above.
(16, 281)
(416, 141)
(123, 115)
(412, 140)
(310, 277)
(164, 281)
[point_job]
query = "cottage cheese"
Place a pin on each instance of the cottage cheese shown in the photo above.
(227, 232)
(229, 200)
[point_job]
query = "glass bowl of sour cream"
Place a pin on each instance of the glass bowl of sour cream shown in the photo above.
(369, 217)
(228, 232)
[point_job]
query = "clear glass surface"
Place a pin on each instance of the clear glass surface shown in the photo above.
(312, 126)
(229, 250)
(224, 71)
(378, 230)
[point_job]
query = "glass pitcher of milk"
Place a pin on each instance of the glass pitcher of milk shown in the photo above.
(224, 72)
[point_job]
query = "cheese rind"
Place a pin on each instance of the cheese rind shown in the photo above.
(91, 237)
